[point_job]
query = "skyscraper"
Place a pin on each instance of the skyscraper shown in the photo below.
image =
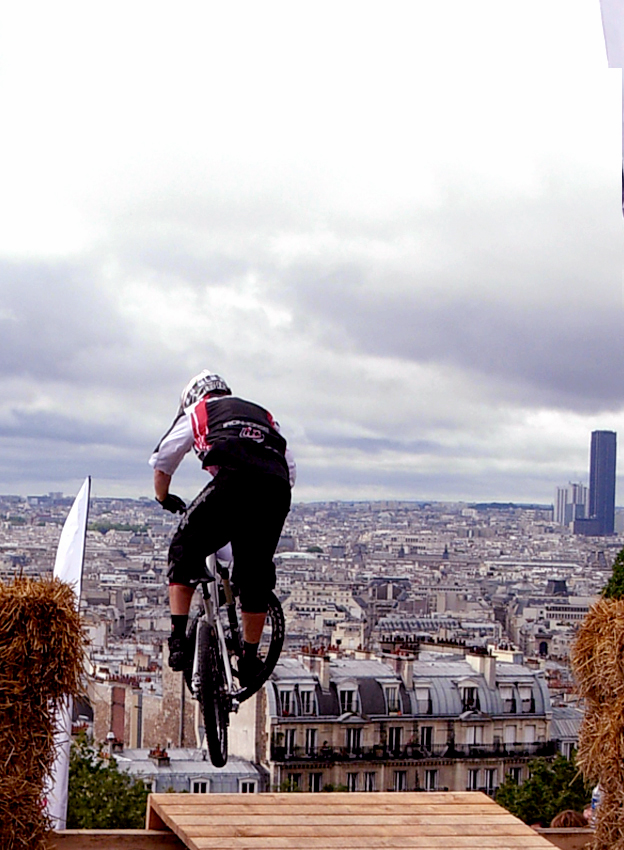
(602, 480)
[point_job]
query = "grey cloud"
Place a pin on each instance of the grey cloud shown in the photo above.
(534, 307)
(59, 322)
(49, 313)
(24, 463)
(374, 446)
(409, 483)
(52, 425)
(560, 357)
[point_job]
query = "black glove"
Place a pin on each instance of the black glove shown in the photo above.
(173, 503)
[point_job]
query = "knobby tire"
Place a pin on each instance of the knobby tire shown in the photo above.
(276, 616)
(213, 698)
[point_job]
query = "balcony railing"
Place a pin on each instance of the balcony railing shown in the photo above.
(412, 751)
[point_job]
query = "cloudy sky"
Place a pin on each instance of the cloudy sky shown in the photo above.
(397, 225)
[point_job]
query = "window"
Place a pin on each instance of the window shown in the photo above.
(392, 700)
(507, 696)
(315, 782)
(423, 699)
(248, 786)
(310, 742)
(286, 702)
(474, 735)
(426, 737)
(529, 734)
(353, 740)
(473, 780)
(526, 698)
(348, 701)
(289, 741)
(516, 774)
(352, 781)
(566, 749)
(431, 780)
(490, 780)
(400, 780)
(294, 781)
(510, 735)
(394, 739)
(307, 702)
(370, 781)
(200, 787)
(470, 699)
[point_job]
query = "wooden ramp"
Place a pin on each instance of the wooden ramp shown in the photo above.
(341, 821)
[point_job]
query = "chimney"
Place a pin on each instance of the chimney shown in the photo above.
(403, 666)
(318, 665)
(484, 664)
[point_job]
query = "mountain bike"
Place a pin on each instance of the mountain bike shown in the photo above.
(215, 647)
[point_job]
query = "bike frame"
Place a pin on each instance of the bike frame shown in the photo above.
(219, 577)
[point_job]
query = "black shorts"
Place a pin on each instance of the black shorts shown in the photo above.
(245, 509)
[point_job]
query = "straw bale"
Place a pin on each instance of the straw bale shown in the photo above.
(598, 667)
(42, 645)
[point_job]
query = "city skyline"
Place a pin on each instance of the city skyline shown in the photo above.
(382, 223)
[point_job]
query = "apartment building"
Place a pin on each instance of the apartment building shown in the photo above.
(398, 723)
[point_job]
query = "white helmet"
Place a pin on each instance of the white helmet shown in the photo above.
(202, 385)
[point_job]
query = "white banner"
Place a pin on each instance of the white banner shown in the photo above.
(67, 567)
(613, 26)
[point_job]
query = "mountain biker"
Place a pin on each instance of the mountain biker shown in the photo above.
(246, 503)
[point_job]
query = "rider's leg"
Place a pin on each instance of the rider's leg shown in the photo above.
(194, 538)
(262, 508)
(253, 623)
(180, 596)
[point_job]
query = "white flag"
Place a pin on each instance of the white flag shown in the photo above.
(67, 567)
(613, 25)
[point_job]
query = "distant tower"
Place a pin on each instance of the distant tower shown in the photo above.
(602, 480)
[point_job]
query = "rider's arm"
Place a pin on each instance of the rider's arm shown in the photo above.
(174, 445)
(161, 484)
(292, 467)
(290, 458)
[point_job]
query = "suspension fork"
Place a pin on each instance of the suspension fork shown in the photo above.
(230, 605)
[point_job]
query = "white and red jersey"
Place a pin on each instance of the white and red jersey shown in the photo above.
(226, 431)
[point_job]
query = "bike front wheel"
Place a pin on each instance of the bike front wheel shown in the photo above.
(213, 696)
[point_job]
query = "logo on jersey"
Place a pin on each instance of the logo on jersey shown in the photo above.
(250, 433)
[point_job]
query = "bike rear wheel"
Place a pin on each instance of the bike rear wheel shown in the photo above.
(213, 693)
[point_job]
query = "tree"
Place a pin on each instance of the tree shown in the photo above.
(289, 786)
(100, 795)
(551, 788)
(614, 588)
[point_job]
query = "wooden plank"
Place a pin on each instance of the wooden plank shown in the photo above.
(257, 808)
(414, 841)
(348, 843)
(363, 821)
(447, 830)
(406, 798)
(115, 839)
(335, 832)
